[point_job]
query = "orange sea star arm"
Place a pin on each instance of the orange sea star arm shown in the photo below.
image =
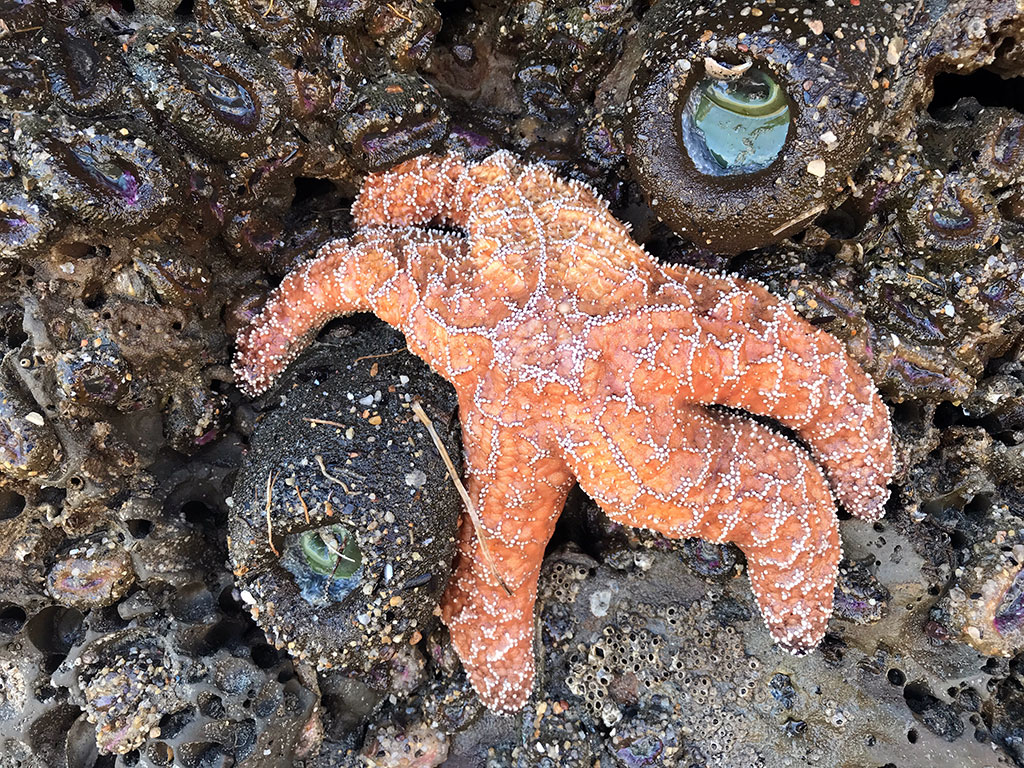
(415, 193)
(519, 489)
(717, 339)
(383, 271)
(721, 477)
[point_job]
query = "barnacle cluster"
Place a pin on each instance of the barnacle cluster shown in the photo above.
(630, 668)
(673, 673)
(162, 163)
(169, 673)
(969, 488)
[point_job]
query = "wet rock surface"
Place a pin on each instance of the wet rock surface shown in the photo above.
(162, 164)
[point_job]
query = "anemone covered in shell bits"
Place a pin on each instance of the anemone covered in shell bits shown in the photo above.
(25, 226)
(393, 119)
(743, 124)
(28, 444)
(22, 79)
(260, 21)
(94, 572)
(344, 517)
(947, 215)
(126, 682)
(84, 69)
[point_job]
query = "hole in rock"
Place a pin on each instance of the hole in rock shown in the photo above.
(986, 86)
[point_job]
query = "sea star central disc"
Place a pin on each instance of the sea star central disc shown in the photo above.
(579, 358)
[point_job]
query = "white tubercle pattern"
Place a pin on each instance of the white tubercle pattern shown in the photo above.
(579, 358)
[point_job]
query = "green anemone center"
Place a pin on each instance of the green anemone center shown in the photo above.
(331, 551)
(735, 126)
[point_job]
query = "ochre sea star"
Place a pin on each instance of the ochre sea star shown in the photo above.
(578, 357)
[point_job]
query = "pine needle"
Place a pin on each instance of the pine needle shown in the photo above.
(470, 508)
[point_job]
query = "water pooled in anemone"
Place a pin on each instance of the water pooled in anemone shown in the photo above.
(325, 562)
(735, 126)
